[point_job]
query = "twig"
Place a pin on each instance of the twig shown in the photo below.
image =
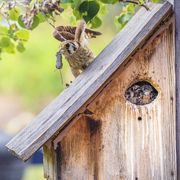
(134, 2)
(61, 78)
(52, 25)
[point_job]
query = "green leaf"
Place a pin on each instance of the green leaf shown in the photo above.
(130, 8)
(20, 47)
(76, 4)
(103, 10)
(72, 20)
(95, 22)
(14, 14)
(89, 9)
(10, 49)
(141, 1)
(109, 1)
(22, 34)
(13, 27)
(124, 18)
(41, 17)
(120, 21)
(5, 42)
(3, 29)
(35, 23)
(117, 24)
(21, 22)
(77, 14)
(66, 1)
(155, 1)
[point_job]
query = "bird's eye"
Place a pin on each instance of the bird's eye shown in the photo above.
(71, 47)
(74, 47)
(67, 45)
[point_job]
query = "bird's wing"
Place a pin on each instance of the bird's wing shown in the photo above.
(63, 33)
(92, 34)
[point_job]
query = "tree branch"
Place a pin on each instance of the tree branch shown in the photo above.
(136, 3)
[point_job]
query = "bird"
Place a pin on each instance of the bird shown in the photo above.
(141, 93)
(74, 41)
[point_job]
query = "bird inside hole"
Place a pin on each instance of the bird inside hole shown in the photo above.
(74, 41)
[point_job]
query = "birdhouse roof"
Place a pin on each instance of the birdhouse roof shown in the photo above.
(59, 113)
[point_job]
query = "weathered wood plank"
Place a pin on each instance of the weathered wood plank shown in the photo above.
(79, 150)
(49, 161)
(61, 110)
(171, 1)
(177, 39)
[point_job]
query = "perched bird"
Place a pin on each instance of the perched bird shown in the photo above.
(74, 46)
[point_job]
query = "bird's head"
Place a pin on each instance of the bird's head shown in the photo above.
(69, 47)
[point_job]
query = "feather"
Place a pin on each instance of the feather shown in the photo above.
(63, 33)
(80, 32)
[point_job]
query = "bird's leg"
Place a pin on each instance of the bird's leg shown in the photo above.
(135, 2)
(67, 85)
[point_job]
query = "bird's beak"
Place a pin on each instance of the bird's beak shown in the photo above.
(62, 51)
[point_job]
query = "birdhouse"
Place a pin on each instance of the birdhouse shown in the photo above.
(117, 120)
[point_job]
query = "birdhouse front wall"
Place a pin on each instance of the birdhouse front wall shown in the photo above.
(121, 139)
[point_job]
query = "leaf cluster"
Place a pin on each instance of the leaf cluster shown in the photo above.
(19, 17)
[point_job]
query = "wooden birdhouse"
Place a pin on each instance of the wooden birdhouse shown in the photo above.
(117, 120)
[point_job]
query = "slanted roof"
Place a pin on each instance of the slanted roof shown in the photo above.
(61, 111)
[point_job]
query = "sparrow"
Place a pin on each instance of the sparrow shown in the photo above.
(74, 41)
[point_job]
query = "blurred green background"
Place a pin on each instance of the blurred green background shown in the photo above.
(29, 80)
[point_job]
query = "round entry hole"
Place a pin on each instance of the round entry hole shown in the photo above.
(141, 93)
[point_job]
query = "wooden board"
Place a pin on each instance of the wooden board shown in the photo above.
(171, 1)
(177, 16)
(80, 151)
(49, 161)
(55, 116)
(125, 141)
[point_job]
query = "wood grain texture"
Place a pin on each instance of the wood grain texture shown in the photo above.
(177, 16)
(80, 150)
(119, 145)
(49, 161)
(171, 1)
(56, 115)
